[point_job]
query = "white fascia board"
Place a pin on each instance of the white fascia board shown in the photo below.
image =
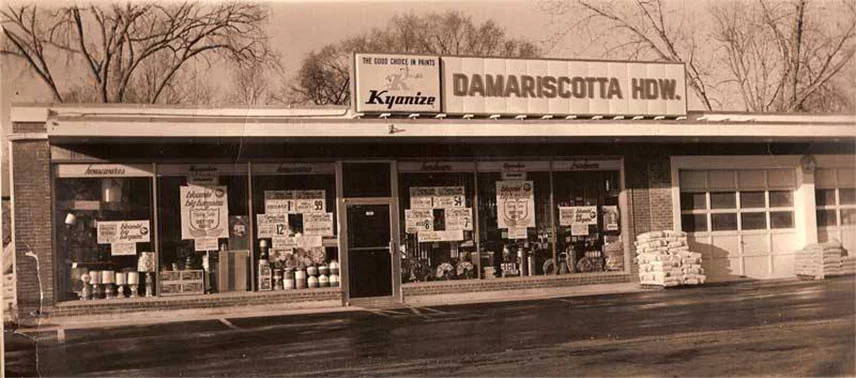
(28, 114)
(325, 129)
(782, 118)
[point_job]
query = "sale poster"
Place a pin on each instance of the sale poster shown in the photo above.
(441, 236)
(610, 217)
(270, 225)
(517, 233)
(205, 244)
(123, 249)
(418, 220)
(515, 201)
(318, 224)
(579, 229)
(204, 212)
(137, 231)
(571, 215)
(459, 219)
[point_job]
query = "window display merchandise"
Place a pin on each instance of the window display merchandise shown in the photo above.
(295, 226)
(103, 224)
(438, 225)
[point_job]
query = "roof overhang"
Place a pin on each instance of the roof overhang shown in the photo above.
(262, 130)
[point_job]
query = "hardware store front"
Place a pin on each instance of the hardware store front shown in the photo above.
(182, 210)
(362, 228)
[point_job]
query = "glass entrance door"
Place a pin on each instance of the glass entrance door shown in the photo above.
(369, 250)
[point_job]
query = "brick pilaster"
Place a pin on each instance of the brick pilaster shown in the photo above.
(31, 197)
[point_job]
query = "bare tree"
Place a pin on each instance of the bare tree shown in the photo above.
(639, 29)
(785, 56)
(124, 44)
(779, 55)
(323, 78)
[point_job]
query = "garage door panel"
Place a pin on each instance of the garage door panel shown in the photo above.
(755, 243)
(783, 266)
(756, 266)
(848, 239)
(723, 246)
(721, 268)
(784, 243)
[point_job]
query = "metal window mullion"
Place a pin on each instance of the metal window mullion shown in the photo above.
(553, 226)
(156, 227)
(476, 225)
(251, 213)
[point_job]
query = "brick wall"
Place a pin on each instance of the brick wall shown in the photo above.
(31, 194)
(500, 284)
(243, 299)
(648, 180)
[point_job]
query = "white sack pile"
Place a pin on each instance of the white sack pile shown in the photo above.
(665, 259)
(820, 260)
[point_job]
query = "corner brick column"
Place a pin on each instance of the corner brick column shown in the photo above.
(31, 203)
(648, 180)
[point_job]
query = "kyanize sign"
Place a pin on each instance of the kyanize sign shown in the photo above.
(397, 83)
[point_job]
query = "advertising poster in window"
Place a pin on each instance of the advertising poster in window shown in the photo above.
(204, 212)
(123, 232)
(459, 219)
(318, 224)
(610, 217)
(418, 220)
(515, 201)
(123, 249)
(271, 225)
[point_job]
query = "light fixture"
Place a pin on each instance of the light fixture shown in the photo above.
(70, 219)
(384, 115)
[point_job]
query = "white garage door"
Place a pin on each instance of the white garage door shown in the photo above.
(742, 221)
(836, 206)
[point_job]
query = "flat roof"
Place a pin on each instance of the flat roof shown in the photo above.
(90, 123)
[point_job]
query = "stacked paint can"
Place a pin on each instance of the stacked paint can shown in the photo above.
(334, 273)
(300, 278)
(312, 280)
(323, 277)
(288, 279)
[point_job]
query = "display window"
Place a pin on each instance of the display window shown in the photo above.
(514, 221)
(438, 231)
(588, 216)
(103, 224)
(203, 218)
(296, 232)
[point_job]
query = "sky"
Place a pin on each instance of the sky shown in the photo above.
(298, 27)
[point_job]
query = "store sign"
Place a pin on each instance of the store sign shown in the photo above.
(560, 87)
(205, 175)
(103, 170)
(397, 83)
(204, 212)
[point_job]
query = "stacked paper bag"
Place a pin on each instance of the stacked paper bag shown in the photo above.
(848, 265)
(665, 259)
(820, 260)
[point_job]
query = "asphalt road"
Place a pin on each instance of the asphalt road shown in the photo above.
(794, 328)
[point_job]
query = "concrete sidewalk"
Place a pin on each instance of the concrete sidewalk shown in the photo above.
(60, 324)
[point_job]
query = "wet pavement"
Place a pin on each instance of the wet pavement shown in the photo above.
(793, 328)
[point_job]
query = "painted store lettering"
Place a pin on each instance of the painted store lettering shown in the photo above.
(526, 86)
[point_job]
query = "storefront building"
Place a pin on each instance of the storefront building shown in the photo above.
(485, 175)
